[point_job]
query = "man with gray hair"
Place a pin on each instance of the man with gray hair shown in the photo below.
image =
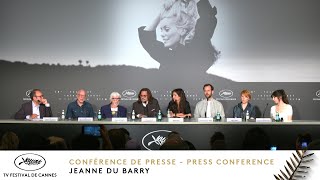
(80, 107)
(113, 109)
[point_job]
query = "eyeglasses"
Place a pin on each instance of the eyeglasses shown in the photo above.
(143, 95)
(115, 98)
(39, 96)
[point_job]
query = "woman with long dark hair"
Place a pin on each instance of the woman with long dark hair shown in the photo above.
(179, 106)
(282, 107)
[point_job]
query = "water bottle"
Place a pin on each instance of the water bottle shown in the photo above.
(99, 115)
(247, 116)
(133, 115)
(218, 117)
(168, 113)
(277, 117)
(159, 116)
(62, 115)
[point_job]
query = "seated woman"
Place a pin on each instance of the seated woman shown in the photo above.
(282, 106)
(179, 106)
(113, 109)
(240, 110)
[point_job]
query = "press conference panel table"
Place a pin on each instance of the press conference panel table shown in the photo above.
(281, 134)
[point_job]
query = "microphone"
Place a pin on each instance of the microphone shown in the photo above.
(265, 110)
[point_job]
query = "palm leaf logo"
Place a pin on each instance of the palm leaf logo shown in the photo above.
(296, 168)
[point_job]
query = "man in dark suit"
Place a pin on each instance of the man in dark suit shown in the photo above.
(37, 108)
(146, 106)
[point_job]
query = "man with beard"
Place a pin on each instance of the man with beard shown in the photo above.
(208, 107)
(146, 106)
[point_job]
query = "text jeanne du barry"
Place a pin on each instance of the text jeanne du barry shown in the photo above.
(115, 166)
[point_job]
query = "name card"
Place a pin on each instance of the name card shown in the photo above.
(263, 120)
(119, 120)
(35, 119)
(50, 119)
(205, 119)
(85, 119)
(175, 119)
(234, 120)
(148, 119)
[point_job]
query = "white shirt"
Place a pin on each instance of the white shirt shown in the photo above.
(35, 110)
(145, 104)
(114, 109)
(208, 113)
(287, 111)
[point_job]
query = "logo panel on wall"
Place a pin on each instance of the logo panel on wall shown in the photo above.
(317, 98)
(27, 97)
(154, 139)
(129, 94)
(226, 95)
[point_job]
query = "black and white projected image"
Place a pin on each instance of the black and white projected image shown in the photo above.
(185, 28)
(60, 46)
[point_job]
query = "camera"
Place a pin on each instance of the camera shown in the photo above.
(93, 130)
(304, 144)
(273, 148)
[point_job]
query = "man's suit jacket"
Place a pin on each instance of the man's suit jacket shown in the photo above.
(106, 111)
(26, 109)
(151, 110)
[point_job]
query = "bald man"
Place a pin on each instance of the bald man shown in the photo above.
(80, 108)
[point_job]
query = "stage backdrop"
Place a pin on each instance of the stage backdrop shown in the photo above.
(103, 46)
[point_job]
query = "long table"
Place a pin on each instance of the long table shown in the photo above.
(149, 134)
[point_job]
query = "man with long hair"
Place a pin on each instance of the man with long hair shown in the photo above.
(146, 106)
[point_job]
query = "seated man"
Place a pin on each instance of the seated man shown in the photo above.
(79, 108)
(146, 106)
(208, 107)
(37, 108)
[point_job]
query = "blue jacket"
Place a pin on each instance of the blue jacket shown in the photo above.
(74, 110)
(106, 111)
(239, 113)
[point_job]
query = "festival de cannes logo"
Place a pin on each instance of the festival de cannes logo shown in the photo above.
(129, 93)
(30, 162)
(318, 96)
(153, 140)
(27, 98)
(226, 93)
(297, 167)
(28, 92)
